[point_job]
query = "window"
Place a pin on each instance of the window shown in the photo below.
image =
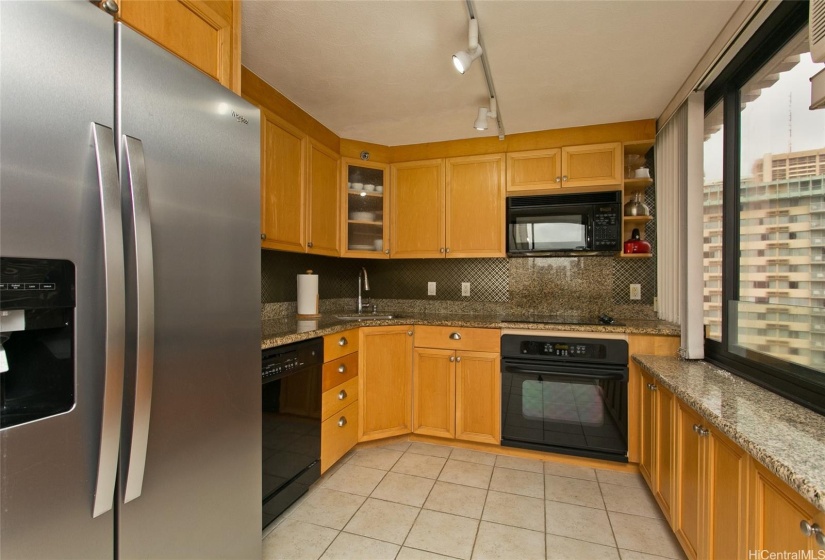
(764, 168)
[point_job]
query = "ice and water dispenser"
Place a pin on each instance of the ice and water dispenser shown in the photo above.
(37, 301)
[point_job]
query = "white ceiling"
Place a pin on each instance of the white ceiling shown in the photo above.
(380, 70)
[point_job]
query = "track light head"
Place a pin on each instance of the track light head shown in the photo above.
(463, 59)
(484, 113)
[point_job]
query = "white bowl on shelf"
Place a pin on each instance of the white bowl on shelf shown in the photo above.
(369, 187)
(358, 186)
(362, 216)
(361, 248)
(379, 188)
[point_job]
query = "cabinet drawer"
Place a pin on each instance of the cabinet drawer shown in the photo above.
(458, 338)
(340, 344)
(338, 398)
(340, 370)
(339, 433)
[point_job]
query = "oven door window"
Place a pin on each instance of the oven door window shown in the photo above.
(571, 412)
(557, 232)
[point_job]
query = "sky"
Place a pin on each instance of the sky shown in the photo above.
(765, 121)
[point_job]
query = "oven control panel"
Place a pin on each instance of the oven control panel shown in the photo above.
(587, 350)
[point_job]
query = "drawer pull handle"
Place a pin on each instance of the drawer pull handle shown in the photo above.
(342, 395)
(342, 421)
(342, 341)
(700, 430)
(652, 387)
(455, 336)
(808, 530)
(342, 368)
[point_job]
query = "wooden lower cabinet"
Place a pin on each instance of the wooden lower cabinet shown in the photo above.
(664, 480)
(478, 397)
(385, 382)
(434, 376)
(339, 433)
(339, 399)
(776, 512)
(726, 488)
(687, 513)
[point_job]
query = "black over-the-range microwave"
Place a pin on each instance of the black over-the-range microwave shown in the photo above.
(565, 224)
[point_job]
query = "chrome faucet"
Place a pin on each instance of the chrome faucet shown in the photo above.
(361, 305)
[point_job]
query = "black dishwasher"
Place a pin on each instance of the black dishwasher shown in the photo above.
(291, 399)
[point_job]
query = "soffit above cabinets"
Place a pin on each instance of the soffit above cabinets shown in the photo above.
(380, 71)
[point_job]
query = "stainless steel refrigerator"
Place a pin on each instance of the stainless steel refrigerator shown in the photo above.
(130, 327)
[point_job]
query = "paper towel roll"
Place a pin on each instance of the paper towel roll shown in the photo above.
(308, 294)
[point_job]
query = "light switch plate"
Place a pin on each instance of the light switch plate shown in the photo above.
(465, 289)
(430, 288)
(635, 291)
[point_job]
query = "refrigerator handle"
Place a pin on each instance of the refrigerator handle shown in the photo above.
(144, 265)
(104, 144)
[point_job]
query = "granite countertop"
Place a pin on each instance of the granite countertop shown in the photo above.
(276, 332)
(787, 438)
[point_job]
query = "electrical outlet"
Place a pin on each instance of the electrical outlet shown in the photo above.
(655, 304)
(465, 289)
(635, 291)
(430, 288)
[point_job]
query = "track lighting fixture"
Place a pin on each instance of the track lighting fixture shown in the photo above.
(484, 113)
(463, 59)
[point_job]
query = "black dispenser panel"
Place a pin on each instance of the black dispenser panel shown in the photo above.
(37, 301)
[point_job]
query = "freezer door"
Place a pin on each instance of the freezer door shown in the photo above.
(56, 70)
(200, 492)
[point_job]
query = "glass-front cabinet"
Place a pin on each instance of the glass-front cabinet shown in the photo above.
(364, 230)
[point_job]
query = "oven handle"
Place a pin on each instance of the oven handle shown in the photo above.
(569, 374)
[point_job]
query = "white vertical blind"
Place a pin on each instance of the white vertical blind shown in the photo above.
(679, 194)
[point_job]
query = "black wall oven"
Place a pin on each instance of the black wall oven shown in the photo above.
(565, 395)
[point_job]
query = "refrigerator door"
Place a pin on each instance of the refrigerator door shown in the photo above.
(56, 68)
(200, 494)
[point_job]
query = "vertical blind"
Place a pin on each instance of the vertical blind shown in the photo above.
(679, 208)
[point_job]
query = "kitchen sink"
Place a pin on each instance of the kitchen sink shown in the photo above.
(366, 317)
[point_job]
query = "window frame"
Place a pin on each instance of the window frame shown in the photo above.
(798, 383)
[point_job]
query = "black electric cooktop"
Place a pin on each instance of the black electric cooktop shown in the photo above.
(561, 320)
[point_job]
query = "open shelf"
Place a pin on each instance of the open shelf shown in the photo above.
(633, 185)
(365, 223)
(365, 193)
(636, 255)
(638, 219)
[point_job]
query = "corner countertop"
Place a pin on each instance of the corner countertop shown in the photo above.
(787, 438)
(275, 332)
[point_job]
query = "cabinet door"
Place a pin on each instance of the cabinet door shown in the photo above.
(647, 428)
(205, 34)
(592, 166)
(687, 513)
(478, 397)
(536, 170)
(475, 206)
(339, 434)
(664, 471)
(322, 211)
(776, 511)
(417, 209)
(385, 382)
(364, 231)
(283, 172)
(434, 392)
(727, 494)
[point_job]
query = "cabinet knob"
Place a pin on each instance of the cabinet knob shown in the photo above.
(109, 5)
(441, 250)
(815, 530)
(452, 358)
(342, 341)
(558, 179)
(342, 395)
(458, 359)
(699, 429)
(455, 336)
(342, 368)
(447, 249)
(342, 421)
(263, 236)
(386, 251)
(564, 177)
(652, 387)
(409, 333)
(309, 244)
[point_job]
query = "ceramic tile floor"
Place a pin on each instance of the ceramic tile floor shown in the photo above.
(414, 501)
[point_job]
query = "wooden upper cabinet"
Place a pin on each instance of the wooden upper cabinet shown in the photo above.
(322, 196)
(533, 170)
(592, 165)
(283, 171)
(364, 231)
(475, 206)
(205, 34)
(417, 191)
